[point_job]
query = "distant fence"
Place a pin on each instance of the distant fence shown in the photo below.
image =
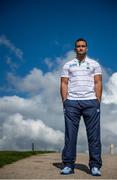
(112, 149)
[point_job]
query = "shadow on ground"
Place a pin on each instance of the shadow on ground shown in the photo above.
(81, 167)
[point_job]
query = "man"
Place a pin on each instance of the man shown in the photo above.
(81, 91)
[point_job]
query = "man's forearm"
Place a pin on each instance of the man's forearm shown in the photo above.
(98, 90)
(64, 91)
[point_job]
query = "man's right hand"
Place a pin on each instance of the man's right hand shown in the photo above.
(64, 99)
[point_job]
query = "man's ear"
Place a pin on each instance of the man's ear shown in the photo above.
(86, 49)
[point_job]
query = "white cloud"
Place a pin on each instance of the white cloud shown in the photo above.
(36, 81)
(44, 103)
(49, 62)
(20, 122)
(110, 93)
(16, 127)
(13, 66)
(59, 61)
(43, 108)
(7, 43)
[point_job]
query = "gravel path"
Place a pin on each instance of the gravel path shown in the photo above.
(47, 166)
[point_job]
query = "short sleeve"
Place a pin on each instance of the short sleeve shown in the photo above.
(65, 71)
(97, 69)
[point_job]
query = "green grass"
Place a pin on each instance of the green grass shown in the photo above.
(7, 157)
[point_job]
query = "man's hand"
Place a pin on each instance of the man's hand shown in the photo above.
(98, 86)
(64, 88)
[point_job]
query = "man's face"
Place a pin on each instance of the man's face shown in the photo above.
(81, 48)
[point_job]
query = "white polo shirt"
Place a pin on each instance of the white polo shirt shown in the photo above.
(81, 78)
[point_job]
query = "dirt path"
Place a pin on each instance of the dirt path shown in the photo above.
(47, 166)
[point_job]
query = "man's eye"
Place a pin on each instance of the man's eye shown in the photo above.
(81, 46)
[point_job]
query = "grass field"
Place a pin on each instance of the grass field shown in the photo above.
(7, 157)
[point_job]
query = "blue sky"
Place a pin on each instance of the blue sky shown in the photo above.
(36, 38)
(48, 28)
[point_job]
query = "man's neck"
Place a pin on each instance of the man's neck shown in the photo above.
(80, 57)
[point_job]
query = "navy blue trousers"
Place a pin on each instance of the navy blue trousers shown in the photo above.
(90, 110)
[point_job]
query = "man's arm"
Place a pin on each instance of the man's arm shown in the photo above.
(64, 88)
(98, 86)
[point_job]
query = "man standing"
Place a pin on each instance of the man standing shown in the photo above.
(81, 91)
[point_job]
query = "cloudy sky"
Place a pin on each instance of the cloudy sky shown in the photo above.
(36, 39)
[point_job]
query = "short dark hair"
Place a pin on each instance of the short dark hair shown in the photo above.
(81, 39)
